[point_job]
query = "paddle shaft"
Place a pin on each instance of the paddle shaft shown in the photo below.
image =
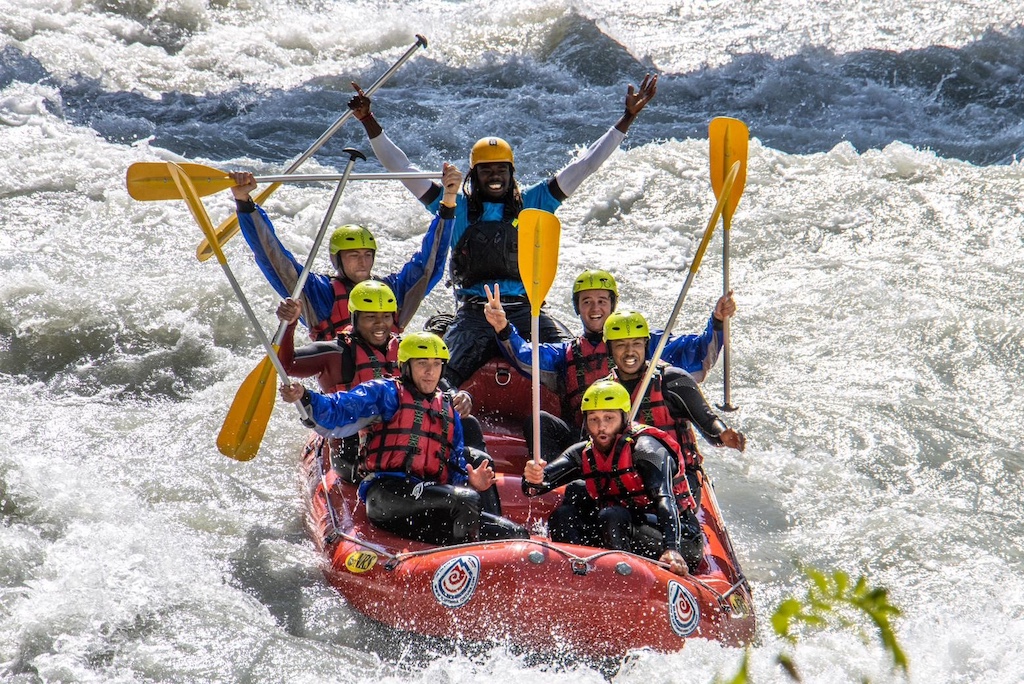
(535, 383)
(203, 219)
(727, 404)
(420, 42)
(652, 364)
(728, 139)
(228, 229)
(320, 177)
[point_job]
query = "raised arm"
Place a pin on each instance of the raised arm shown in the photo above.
(568, 180)
(279, 266)
(387, 152)
(697, 354)
(426, 267)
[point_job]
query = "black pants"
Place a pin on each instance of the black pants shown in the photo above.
(578, 520)
(439, 513)
(471, 341)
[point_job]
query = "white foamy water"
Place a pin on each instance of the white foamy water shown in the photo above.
(877, 352)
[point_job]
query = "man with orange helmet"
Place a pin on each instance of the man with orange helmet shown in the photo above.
(485, 240)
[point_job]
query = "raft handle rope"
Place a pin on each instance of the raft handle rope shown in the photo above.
(580, 565)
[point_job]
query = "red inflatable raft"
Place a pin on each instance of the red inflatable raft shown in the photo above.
(532, 593)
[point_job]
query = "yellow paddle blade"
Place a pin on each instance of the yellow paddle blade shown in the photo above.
(229, 227)
(242, 432)
(728, 138)
(729, 190)
(195, 205)
(539, 234)
(149, 181)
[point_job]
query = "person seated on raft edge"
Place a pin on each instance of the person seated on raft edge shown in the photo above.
(423, 482)
(353, 250)
(485, 217)
(569, 367)
(366, 350)
(623, 489)
(672, 401)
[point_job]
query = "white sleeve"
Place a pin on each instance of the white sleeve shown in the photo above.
(395, 161)
(572, 176)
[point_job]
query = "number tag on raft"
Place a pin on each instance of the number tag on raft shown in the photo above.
(360, 561)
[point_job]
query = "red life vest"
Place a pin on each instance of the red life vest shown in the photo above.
(613, 478)
(341, 317)
(654, 411)
(370, 362)
(585, 364)
(417, 440)
(329, 328)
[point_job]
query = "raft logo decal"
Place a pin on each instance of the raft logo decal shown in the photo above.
(683, 611)
(455, 581)
(360, 561)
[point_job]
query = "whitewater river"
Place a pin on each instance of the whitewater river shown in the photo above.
(877, 260)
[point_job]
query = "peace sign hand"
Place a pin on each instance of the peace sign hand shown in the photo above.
(493, 310)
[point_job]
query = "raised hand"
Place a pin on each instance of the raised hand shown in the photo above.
(245, 183)
(637, 100)
(451, 179)
(494, 312)
(359, 103)
(289, 311)
(725, 307)
(292, 392)
(534, 472)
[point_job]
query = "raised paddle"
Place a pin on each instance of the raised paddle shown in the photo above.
(226, 230)
(539, 233)
(728, 138)
(708, 232)
(242, 432)
(195, 205)
(149, 181)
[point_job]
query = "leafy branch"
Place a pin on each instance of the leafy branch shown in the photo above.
(832, 600)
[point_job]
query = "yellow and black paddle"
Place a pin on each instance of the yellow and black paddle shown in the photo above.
(728, 138)
(539, 234)
(727, 190)
(226, 230)
(246, 422)
(195, 205)
(149, 181)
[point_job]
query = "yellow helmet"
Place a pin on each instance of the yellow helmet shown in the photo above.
(372, 296)
(351, 236)
(422, 345)
(594, 279)
(626, 325)
(490, 150)
(606, 395)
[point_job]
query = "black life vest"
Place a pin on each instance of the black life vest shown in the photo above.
(487, 251)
